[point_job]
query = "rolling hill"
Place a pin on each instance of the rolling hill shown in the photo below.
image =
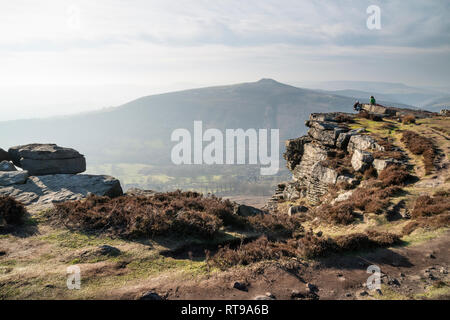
(139, 131)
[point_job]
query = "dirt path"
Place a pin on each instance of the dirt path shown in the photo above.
(339, 277)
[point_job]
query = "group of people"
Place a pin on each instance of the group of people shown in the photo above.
(357, 106)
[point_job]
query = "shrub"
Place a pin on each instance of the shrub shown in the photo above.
(432, 223)
(394, 176)
(370, 173)
(426, 206)
(11, 211)
(258, 250)
(178, 213)
(276, 225)
(340, 213)
(420, 145)
(409, 119)
(309, 246)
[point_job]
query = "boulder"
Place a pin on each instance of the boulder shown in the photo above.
(378, 109)
(323, 174)
(7, 166)
(344, 137)
(343, 196)
(361, 160)
(381, 164)
(4, 156)
(61, 187)
(363, 142)
(247, 211)
(296, 209)
(8, 178)
(47, 159)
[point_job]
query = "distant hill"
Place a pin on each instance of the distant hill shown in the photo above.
(364, 97)
(139, 131)
(438, 104)
(386, 91)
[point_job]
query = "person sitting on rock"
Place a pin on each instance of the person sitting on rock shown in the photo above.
(357, 106)
(373, 102)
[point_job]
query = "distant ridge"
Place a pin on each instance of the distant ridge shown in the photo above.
(139, 131)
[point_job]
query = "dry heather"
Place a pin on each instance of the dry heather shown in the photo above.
(409, 119)
(172, 213)
(11, 211)
(420, 145)
(309, 246)
(373, 198)
(430, 212)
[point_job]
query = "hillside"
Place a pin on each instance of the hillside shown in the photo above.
(365, 190)
(438, 104)
(139, 131)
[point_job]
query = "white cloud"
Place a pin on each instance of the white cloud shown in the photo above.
(156, 44)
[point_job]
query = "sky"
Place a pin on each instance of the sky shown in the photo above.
(60, 57)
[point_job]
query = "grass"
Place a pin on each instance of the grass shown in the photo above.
(437, 291)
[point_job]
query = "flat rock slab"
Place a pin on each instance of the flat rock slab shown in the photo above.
(8, 178)
(47, 159)
(62, 187)
(53, 166)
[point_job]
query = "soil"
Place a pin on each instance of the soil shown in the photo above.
(403, 275)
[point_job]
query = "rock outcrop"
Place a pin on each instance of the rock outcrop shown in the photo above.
(310, 158)
(50, 175)
(45, 159)
(361, 160)
(61, 187)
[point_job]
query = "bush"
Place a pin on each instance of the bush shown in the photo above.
(426, 206)
(276, 225)
(340, 213)
(432, 223)
(178, 213)
(420, 145)
(11, 211)
(258, 250)
(309, 246)
(394, 176)
(409, 119)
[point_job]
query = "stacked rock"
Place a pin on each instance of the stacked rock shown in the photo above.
(44, 159)
(49, 173)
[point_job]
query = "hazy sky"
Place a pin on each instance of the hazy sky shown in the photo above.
(60, 56)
